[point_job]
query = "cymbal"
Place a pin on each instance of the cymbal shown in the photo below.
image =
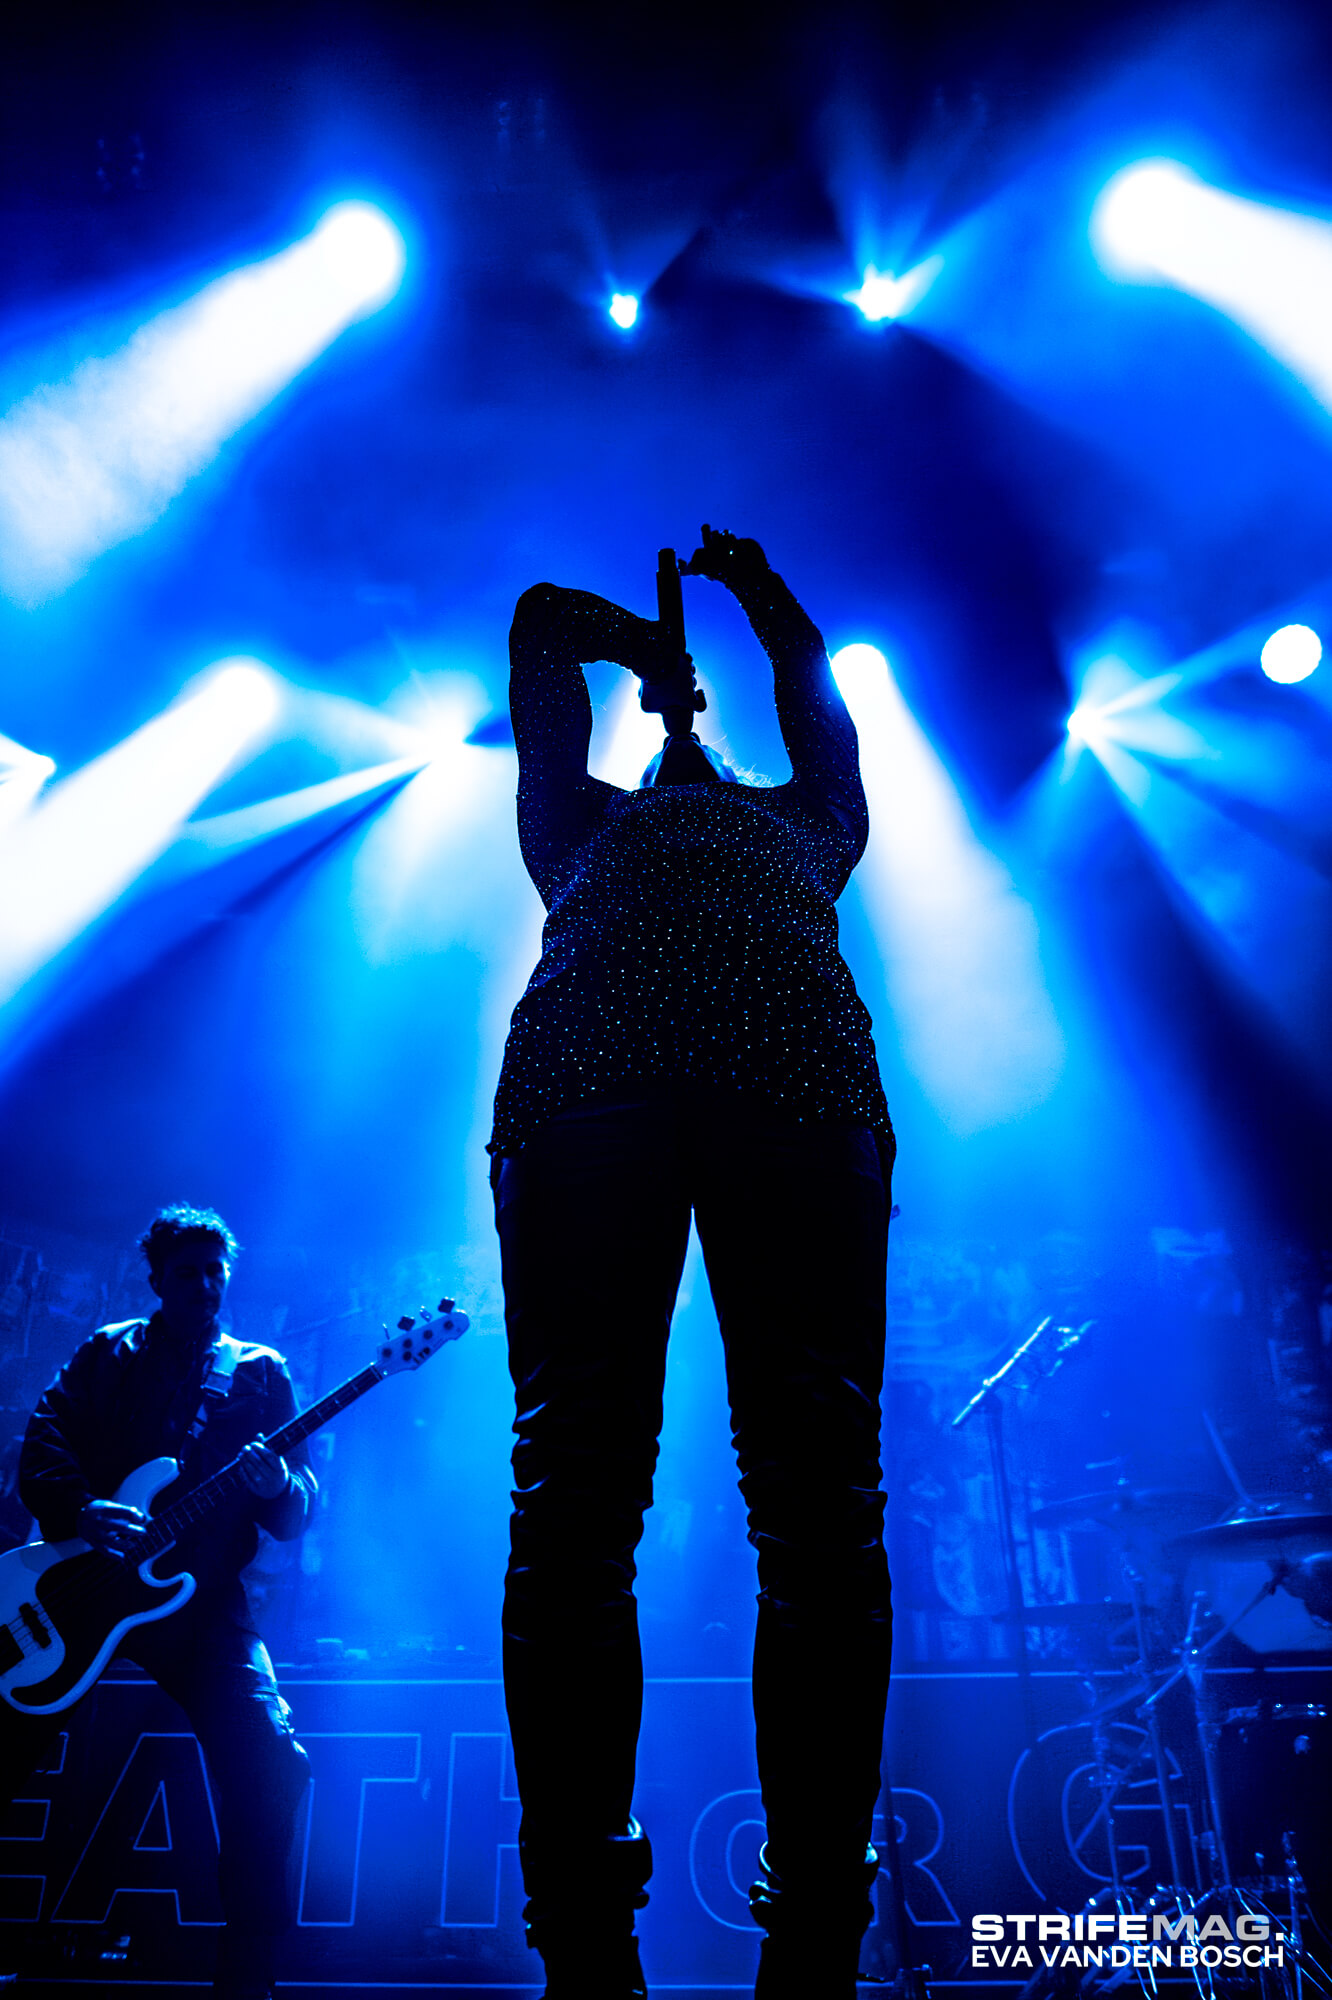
(1067, 1614)
(1121, 1506)
(1262, 1538)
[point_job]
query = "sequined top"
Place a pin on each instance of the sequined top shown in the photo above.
(691, 935)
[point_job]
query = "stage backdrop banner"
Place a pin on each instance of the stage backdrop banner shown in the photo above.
(406, 1863)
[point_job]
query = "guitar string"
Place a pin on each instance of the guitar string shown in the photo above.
(201, 1500)
(67, 1594)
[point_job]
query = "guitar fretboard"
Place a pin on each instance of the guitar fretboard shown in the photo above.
(194, 1506)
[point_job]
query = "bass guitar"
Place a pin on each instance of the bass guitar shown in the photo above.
(65, 1606)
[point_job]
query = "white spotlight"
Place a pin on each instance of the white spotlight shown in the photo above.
(90, 461)
(882, 296)
(16, 760)
(623, 309)
(23, 773)
(1267, 268)
(362, 250)
(1138, 218)
(858, 670)
(243, 694)
(1291, 654)
(70, 857)
(960, 947)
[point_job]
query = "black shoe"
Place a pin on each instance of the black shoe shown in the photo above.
(582, 1967)
(808, 1968)
(584, 1895)
(814, 1926)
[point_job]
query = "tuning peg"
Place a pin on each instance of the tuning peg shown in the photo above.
(406, 1323)
(446, 1305)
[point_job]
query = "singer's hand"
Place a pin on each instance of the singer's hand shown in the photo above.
(647, 651)
(725, 558)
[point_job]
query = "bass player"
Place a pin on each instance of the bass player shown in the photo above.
(176, 1385)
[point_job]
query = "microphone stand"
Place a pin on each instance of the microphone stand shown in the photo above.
(987, 1400)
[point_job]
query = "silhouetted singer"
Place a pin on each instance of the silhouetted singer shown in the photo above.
(692, 1040)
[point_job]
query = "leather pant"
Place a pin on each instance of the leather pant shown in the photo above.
(210, 1660)
(593, 1218)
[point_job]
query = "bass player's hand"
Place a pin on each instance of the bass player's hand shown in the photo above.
(263, 1471)
(108, 1525)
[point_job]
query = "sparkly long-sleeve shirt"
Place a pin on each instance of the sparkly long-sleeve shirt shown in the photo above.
(691, 934)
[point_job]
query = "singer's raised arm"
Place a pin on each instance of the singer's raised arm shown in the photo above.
(555, 633)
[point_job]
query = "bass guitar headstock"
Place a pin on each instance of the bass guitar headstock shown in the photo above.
(419, 1336)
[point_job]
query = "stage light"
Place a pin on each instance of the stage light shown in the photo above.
(959, 946)
(242, 695)
(410, 883)
(22, 774)
(1291, 654)
(362, 251)
(858, 670)
(14, 758)
(93, 460)
(1121, 717)
(69, 859)
(623, 309)
(882, 296)
(1267, 268)
(1141, 214)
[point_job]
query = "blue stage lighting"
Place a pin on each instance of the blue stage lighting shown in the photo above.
(17, 761)
(242, 696)
(1291, 654)
(363, 252)
(858, 668)
(1141, 216)
(93, 460)
(69, 858)
(623, 309)
(23, 773)
(958, 945)
(1268, 269)
(882, 296)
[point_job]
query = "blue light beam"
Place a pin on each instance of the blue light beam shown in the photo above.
(1235, 819)
(960, 947)
(1266, 268)
(65, 862)
(22, 775)
(93, 460)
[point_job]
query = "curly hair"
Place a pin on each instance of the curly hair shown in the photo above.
(170, 1225)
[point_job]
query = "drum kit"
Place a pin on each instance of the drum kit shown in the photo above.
(1263, 1838)
(1253, 1850)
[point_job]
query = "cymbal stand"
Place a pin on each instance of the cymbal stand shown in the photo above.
(1109, 1783)
(1209, 1737)
(1152, 1720)
(1300, 1974)
(1192, 1668)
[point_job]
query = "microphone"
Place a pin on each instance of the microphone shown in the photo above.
(675, 698)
